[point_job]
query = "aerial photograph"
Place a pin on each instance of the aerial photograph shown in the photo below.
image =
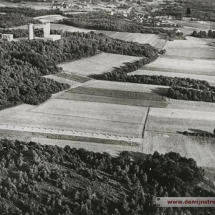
(107, 107)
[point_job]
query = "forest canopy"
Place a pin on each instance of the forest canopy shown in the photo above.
(16, 16)
(46, 179)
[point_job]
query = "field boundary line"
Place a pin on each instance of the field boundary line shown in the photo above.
(144, 126)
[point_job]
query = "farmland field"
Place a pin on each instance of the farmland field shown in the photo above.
(111, 100)
(95, 147)
(117, 93)
(191, 105)
(131, 87)
(110, 119)
(190, 26)
(177, 120)
(200, 149)
(191, 48)
(92, 110)
(187, 66)
(152, 39)
(97, 64)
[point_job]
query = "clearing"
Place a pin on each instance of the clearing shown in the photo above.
(97, 64)
(50, 18)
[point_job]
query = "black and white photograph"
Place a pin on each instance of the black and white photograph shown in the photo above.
(107, 107)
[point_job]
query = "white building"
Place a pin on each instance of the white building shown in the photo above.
(46, 33)
(8, 37)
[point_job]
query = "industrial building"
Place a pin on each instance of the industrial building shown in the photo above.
(46, 33)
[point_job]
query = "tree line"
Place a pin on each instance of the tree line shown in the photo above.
(204, 34)
(22, 63)
(182, 93)
(78, 181)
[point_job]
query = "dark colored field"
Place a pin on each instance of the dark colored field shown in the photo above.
(112, 100)
(117, 94)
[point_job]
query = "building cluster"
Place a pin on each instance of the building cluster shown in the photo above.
(68, 5)
(46, 33)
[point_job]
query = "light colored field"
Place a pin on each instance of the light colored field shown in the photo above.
(132, 87)
(109, 119)
(152, 39)
(114, 150)
(195, 66)
(50, 18)
(210, 79)
(202, 150)
(97, 64)
(191, 48)
(174, 120)
(92, 110)
(190, 26)
(191, 105)
(62, 80)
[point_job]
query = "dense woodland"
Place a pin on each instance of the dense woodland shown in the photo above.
(23, 63)
(44, 179)
(104, 21)
(204, 34)
(16, 16)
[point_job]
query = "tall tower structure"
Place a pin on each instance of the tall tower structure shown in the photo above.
(46, 29)
(30, 31)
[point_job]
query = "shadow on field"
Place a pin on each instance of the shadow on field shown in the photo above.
(160, 91)
(199, 131)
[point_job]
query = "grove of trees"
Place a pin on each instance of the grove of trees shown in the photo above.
(46, 179)
(204, 34)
